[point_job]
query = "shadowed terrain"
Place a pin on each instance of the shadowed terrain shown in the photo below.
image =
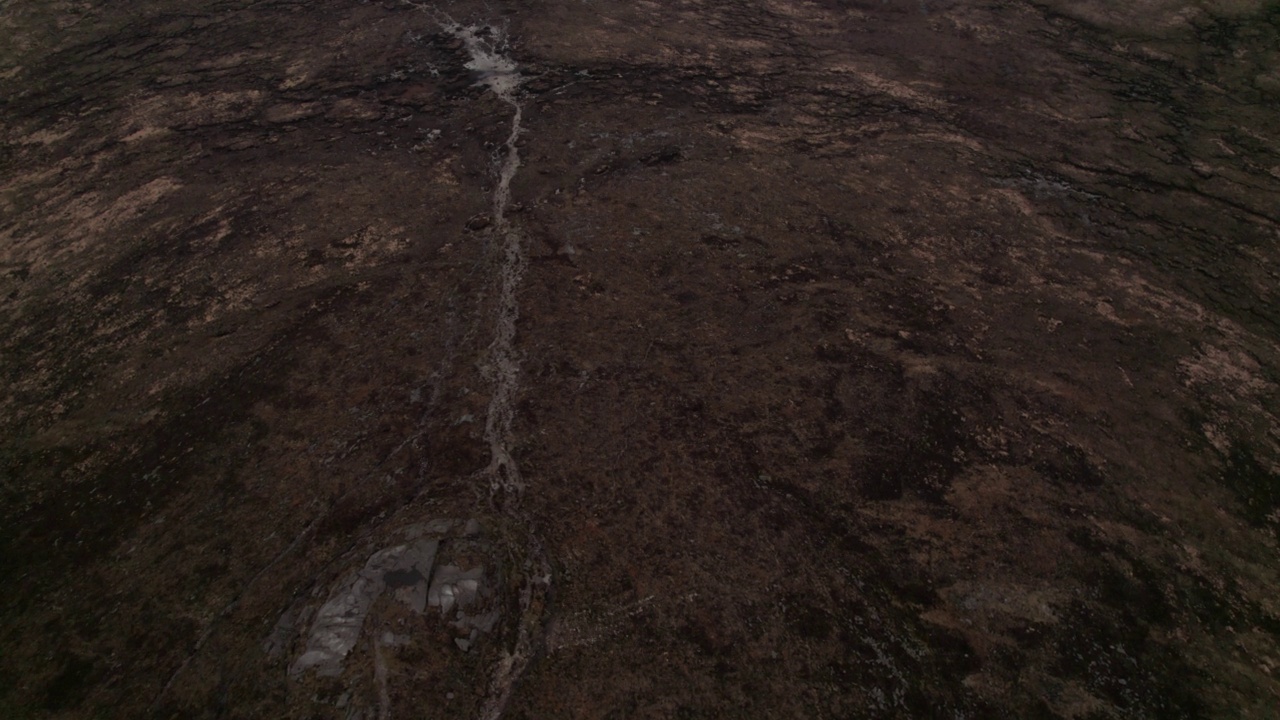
(680, 359)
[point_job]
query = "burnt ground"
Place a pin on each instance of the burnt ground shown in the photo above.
(878, 358)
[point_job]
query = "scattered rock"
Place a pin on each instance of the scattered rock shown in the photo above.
(338, 623)
(464, 597)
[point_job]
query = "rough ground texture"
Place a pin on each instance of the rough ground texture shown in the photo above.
(866, 358)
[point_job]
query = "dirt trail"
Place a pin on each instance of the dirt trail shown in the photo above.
(501, 76)
(486, 46)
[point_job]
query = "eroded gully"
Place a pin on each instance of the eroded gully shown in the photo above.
(486, 46)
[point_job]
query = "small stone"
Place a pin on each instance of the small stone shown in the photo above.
(479, 222)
